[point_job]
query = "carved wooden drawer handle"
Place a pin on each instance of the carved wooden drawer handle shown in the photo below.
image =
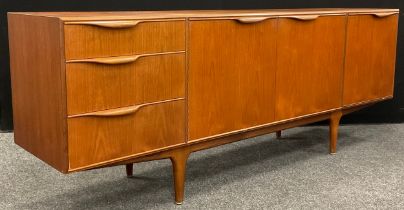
(118, 59)
(109, 60)
(120, 111)
(110, 113)
(386, 14)
(251, 19)
(303, 17)
(108, 24)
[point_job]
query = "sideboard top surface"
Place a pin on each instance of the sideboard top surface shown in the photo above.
(122, 15)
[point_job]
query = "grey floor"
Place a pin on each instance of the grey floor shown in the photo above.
(261, 173)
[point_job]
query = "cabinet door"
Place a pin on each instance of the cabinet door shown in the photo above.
(231, 75)
(370, 58)
(310, 64)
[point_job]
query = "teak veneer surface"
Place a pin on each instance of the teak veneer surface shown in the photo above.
(370, 58)
(125, 15)
(286, 68)
(94, 140)
(309, 66)
(94, 86)
(87, 41)
(97, 89)
(238, 86)
(38, 81)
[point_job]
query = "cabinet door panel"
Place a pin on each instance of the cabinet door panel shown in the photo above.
(370, 58)
(310, 64)
(231, 75)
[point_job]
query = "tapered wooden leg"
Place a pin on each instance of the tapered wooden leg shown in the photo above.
(129, 169)
(334, 123)
(278, 134)
(179, 161)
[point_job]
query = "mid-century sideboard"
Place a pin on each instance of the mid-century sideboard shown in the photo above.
(98, 89)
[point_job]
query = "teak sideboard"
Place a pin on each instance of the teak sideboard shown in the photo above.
(98, 89)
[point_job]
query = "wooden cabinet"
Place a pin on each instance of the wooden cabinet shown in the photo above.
(95, 89)
(230, 89)
(370, 57)
(310, 59)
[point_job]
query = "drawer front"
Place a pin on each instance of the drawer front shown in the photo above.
(96, 86)
(95, 139)
(91, 41)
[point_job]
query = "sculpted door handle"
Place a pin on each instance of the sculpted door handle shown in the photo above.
(251, 19)
(110, 113)
(109, 60)
(120, 111)
(108, 24)
(303, 17)
(386, 14)
(118, 59)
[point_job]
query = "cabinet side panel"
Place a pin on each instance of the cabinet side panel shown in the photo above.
(37, 74)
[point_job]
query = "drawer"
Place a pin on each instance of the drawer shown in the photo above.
(102, 136)
(94, 85)
(116, 38)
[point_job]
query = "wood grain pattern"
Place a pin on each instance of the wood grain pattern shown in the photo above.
(251, 19)
(37, 74)
(108, 24)
(247, 73)
(179, 161)
(302, 17)
(118, 59)
(93, 87)
(384, 14)
(231, 75)
(222, 140)
(98, 139)
(195, 146)
(370, 58)
(120, 111)
(333, 128)
(179, 155)
(310, 65)
(87, 41)
(127, 15)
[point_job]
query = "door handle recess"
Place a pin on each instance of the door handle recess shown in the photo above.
(109, 60)
(386, 14)
(108, 24)
(251, 19)
(118, 59)
(120, 111)
(110, 113)
(303, 17)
